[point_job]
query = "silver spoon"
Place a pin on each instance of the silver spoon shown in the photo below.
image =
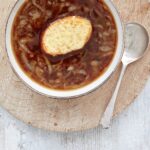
(136, 43)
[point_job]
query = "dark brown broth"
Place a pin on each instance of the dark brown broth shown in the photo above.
(75, 69)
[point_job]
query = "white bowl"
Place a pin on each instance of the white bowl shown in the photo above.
(67, 93)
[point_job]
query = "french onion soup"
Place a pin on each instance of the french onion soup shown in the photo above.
(64, 44)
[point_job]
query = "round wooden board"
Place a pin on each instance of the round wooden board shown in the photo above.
(80, 113)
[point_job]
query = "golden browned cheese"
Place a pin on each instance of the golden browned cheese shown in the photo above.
(66, 35)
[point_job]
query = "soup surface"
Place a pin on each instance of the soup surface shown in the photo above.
(72, 70)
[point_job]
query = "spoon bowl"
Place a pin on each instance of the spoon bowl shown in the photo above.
(136, 42)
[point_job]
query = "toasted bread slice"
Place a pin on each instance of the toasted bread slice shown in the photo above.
(66, 35)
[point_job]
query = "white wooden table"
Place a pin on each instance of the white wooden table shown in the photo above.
(130, 131)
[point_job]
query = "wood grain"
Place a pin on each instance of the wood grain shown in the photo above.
(80, 113)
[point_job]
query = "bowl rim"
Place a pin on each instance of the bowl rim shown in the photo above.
(64, 94)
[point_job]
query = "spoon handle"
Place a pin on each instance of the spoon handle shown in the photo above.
(107, 116)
